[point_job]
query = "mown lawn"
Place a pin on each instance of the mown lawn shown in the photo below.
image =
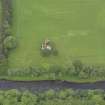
(75, 26)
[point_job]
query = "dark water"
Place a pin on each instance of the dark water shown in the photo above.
(45, 85)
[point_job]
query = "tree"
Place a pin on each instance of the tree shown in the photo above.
(28, 98)
(98, 100)
(77, 64)
(50, 94)
(10, 43)
(83, 75)
(1, 97)
(63, 94)
(11, 97)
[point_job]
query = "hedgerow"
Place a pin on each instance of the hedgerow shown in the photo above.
(8, 40)
(79, 70)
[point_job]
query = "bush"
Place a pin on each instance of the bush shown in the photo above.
(56, 71)
(30, 72)
(55, 52)
(6, 24)
(46, 53)
(83, 75)
(10, 43)
(63, 94)
(71, 71)
(50, 94)
(77, 65)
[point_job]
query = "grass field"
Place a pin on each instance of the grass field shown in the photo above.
(75, 26)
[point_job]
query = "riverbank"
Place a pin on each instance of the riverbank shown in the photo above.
(72, 79)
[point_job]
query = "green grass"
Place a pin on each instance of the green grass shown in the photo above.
(71, 79)
(75, 26)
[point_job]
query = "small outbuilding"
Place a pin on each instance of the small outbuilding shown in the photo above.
(46, 45)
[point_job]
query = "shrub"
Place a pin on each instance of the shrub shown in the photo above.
(77, 65)
(31, 72)
(63, 94)
(50, 94)
(45, 52)
(6, 24)
(71, 71)
(10, 43)
(56, 71)
(83, 75)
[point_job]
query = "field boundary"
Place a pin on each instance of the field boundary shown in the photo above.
(6, 23)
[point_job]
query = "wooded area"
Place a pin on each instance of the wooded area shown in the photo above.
(51, 97)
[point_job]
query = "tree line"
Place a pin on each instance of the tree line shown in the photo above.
(76, 70)
(8, 42)
(52, 97)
